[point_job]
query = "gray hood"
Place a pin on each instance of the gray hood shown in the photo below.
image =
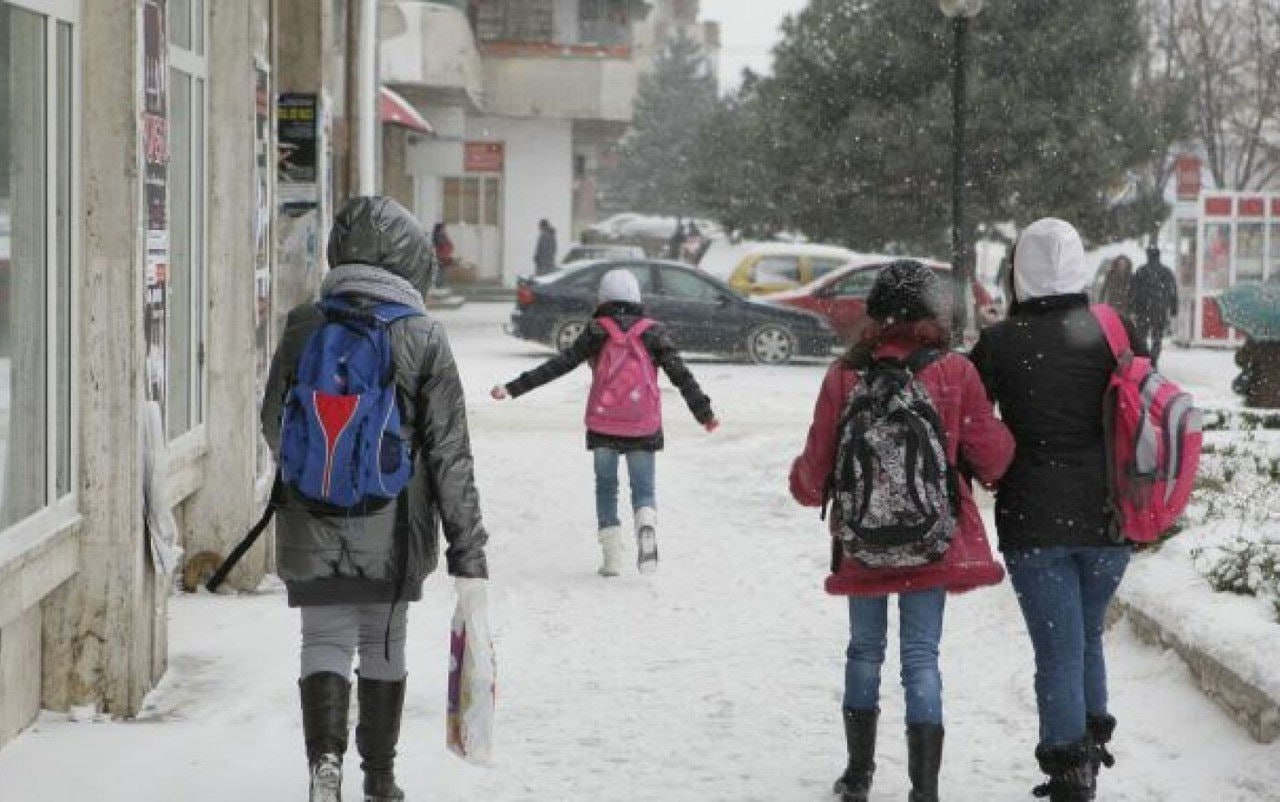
(380, 232)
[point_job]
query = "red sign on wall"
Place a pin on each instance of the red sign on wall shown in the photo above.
(1252, 207)
(484, 157)
(1186, 168)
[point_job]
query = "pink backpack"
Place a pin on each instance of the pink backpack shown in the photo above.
(1153, 433)
(624, 400)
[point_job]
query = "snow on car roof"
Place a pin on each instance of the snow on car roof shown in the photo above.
(799, 249)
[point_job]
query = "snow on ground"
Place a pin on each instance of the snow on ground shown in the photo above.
(717, 679)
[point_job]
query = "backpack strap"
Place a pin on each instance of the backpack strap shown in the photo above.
(388, 313)
(1113, 328)
(611, 328)
(923, 358)
(641, 326)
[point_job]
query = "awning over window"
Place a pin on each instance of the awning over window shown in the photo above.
(395, 110)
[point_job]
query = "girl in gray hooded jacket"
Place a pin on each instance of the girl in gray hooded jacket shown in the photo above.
(354, 575)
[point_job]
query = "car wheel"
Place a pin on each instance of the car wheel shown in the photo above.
(771, 344)
(566, 332)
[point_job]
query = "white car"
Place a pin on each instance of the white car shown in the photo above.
(587, 253)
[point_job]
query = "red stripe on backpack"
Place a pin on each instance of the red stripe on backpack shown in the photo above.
(1153, 436)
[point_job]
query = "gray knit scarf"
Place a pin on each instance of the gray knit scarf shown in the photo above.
(372, 282)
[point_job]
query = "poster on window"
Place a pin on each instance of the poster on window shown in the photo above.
(264, 168)
(155, 148)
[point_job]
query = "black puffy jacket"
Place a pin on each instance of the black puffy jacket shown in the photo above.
(385, 555)
(1047, 368)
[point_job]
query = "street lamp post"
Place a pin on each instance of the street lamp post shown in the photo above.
(960, 11)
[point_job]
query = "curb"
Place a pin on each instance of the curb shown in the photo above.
(1250, 707)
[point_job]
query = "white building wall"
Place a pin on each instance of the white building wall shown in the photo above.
(537, 184)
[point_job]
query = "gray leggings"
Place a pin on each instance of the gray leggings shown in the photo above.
(332, 633)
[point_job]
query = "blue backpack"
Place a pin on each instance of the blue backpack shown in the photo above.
(340, 441)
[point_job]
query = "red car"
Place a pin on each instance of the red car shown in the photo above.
(841, 296)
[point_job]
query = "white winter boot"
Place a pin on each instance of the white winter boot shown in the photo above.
(647, 540)
(611, 550)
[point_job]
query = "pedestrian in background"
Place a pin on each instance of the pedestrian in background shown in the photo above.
(353, 572)
(904, 307)
(675, 244)
(443, 246)
(624, 409)
(1115, 285)
(1153, 302)
(1047, 367)
(544, 254)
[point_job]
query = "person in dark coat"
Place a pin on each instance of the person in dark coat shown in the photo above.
(1259, 362)
(1047, 368)
(1153, 302)
(354, 575)
(544, 254)
(1115, 285)
(904, 307)
(443, 245)
(620, 301)
(675, 243)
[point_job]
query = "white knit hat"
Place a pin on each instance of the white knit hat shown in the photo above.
(619, 285)
(1049, 260)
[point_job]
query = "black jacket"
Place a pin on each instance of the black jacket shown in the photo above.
(1047, 367)
(387, 554)
(1153, 295)
(588, 345)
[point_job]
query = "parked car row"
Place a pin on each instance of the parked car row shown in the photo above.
(702, 313)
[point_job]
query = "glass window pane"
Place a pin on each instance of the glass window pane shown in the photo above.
(1217, 256)
(1273, 267)
(197, 248)
(778, 270)
(490, 202)
(178, 291)
(452, 200)
(687, 286)
(1249, 251)
(471, 200)
(180, 23)
(197, 33)
(65, 216)
(23, 266)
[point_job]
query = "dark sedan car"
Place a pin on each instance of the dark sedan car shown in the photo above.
(703, 314)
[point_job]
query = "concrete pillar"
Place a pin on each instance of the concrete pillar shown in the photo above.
(97, 628)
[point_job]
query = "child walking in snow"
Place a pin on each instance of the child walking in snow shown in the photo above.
(624, 409)
(906, 333)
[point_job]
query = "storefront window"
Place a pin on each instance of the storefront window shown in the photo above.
(35, 262)
(1249, 251)
(1273, 260)
(1217, 256)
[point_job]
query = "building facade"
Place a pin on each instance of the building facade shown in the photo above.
(528, 98)
(139, 301)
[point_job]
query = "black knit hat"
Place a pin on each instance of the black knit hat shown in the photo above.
(905, 291)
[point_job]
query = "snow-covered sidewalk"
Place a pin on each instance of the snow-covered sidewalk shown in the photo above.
(716, 679)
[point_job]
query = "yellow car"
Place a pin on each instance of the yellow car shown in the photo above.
(779, 266)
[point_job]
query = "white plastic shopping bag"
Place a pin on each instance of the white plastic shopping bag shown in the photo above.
(472, 675)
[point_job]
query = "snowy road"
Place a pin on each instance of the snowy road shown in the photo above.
(717, 679)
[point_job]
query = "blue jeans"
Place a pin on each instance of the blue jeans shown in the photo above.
(1064, 593)
(641, 469)
(920, 630)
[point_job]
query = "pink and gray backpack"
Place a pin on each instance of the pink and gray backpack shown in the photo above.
(625, 400)
(1153, 434)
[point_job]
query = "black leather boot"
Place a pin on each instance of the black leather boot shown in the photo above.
(381, 704)
(1100, 728)
(325, 699)
(924, 761)
(860, 736)
(1070, 771)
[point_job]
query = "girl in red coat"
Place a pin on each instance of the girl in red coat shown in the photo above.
(906, 307)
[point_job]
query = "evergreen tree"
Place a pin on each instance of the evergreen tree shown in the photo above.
(860, 110)
(654, 173)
